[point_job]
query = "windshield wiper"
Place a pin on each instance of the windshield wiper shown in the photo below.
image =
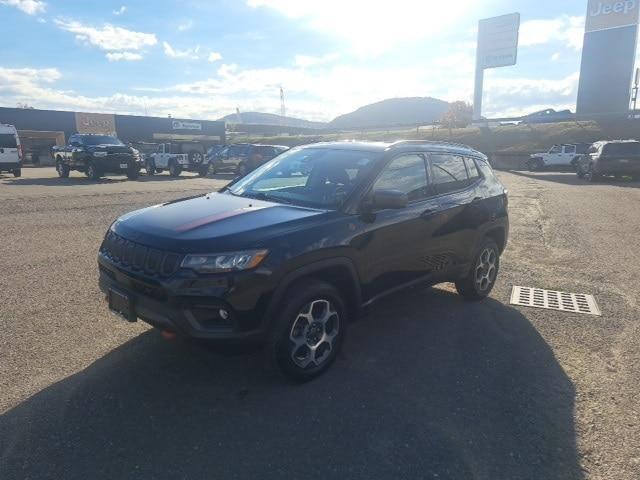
(266, 197)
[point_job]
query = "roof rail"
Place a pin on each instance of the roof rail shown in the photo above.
(431, 142)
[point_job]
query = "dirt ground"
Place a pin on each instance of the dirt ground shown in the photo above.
(428, 386)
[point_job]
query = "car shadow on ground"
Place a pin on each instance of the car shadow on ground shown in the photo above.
(572, 179)
(428, 386)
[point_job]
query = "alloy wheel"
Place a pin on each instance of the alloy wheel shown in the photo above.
(314, 333)
(486, 269)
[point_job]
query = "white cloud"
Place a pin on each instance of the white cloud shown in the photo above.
(30, 7)
(310, 61)
(373, 27)
(188, 54)
(120, 11)
(186, 25)
(564, 29)
(117, 56)
(516, 96)
(555, 57)
(108, 37)
(214, 57)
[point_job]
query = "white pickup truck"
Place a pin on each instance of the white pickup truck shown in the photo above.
(557, 156)
(164, 159)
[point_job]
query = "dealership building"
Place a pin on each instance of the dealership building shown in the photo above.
(39, 130)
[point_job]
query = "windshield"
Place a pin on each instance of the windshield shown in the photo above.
(101, 140)
(312, 177)
(8, 140)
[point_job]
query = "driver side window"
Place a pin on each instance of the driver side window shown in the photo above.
(406, 173)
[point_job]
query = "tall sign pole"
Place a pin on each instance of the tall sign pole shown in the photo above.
(497, 47)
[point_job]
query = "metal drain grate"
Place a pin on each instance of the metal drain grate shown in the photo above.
(554, 300)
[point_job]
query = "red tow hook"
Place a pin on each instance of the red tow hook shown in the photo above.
(168, 335)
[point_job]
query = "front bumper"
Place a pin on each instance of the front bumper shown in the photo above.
(192, 304)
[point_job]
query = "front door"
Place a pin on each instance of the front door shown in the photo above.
(392, 243)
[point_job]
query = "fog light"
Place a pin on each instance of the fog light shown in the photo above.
(224, 314)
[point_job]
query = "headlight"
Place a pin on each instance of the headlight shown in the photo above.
(99, 154)
(224, 262)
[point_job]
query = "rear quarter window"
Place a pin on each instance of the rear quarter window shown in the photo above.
(8, 140)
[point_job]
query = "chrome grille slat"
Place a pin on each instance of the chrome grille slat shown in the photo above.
(140, 257)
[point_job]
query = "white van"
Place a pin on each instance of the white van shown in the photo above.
(10, 150)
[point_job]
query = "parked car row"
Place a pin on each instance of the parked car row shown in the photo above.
(98, 155)
(592, 161)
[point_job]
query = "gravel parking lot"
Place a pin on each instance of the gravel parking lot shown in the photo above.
(428, 386)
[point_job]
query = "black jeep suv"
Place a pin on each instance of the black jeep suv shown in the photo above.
(291, 252)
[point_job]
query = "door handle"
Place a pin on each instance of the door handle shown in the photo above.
(476, 200)
(428, 212)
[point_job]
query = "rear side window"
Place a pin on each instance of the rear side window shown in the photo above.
(472, 169)
(449, 173)
(8, 140)
(407, 173)
(570, 149)
(629, 148)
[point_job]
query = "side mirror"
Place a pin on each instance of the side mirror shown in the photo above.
(384, 199)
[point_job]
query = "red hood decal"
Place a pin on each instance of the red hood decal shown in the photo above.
(215, 218)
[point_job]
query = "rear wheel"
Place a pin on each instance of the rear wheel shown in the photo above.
(17, 172)
(203, 170)
(482, 277)
(62, 169)
(174, 169)
(308, 332)
(242, 169)
(92, 171)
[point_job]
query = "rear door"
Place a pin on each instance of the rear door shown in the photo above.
(455, 207)
(8, 148)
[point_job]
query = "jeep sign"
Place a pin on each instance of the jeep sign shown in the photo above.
(603, 14)
(608, 57)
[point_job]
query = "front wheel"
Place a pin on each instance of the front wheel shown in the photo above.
(480, 280)
(591, 175)
(203, 170)
(535, 164)
(17, 172)
(92, 171)
(150, 167)
(62, 169)
(308, 332)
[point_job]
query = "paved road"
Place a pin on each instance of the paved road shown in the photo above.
(428, 386)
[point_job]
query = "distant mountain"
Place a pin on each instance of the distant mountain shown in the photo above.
(392, 112)
(259, 118)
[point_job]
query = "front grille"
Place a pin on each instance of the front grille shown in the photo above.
(139, 257)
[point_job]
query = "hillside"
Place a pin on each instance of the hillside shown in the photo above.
(259, 118)
(392, 112)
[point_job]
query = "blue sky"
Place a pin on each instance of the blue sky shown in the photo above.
(202, 59)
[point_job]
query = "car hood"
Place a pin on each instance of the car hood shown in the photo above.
(212, 222)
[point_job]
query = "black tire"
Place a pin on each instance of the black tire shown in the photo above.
(62, 169)
(203, 170)
(242, 169)
(159, 170)
(150, 167)
(174, 169)
(17, 172)
(579, 172)
(481, 279)
(314, 298)
(592, 176)
(92, 171)
(133, 173)
(535, 164)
